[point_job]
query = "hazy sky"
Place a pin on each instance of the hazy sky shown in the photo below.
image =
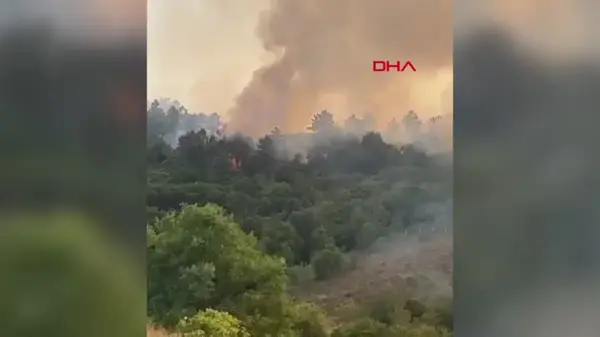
(266, 63)
(207, 46)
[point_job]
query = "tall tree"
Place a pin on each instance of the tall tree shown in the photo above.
(412, 124)
(322, 122)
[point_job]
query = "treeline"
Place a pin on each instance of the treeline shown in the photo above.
(169, 119)
(295, 216)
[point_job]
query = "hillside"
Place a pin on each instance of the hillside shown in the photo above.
(283, 235)
(421, 265)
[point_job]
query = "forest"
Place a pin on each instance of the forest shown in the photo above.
(242, 232)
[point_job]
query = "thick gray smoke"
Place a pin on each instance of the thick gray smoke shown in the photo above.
(324, 51)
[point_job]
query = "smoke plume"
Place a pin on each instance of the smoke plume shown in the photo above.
(323, 60)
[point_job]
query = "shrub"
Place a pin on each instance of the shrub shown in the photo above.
(300, 274)
(328, 262)
(211, 322)
(310, 321)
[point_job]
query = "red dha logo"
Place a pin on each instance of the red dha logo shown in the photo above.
(385, 66)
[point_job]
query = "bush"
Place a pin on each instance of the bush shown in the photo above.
(389, 311)
(300, 274)
(310, 321)
(440, 314)
(416, 308)
(212, 323)
(199, 258)
(328, 262)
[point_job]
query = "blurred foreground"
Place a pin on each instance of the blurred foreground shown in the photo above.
(72, 182)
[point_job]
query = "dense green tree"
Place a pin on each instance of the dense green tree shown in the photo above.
(199, 258)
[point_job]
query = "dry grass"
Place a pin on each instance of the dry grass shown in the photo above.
(402, 262)
(156, 332)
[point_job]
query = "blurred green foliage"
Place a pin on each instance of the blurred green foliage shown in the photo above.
(62, 276)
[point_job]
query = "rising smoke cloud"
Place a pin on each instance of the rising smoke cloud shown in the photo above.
(324, 52)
